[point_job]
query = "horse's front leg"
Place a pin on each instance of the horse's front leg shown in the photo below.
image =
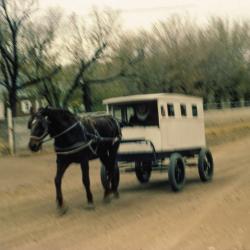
(86, 182)
(61, 168)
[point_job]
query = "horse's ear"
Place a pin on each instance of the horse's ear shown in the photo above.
(45, 111)
(32, 111)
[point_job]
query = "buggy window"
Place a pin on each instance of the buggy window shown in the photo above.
(130, 113)
(163, 111)
(117, 113)
(183, 110)
(137, 113)
(170, 108)
(194, 111)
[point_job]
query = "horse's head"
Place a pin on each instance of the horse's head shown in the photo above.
(38, 125)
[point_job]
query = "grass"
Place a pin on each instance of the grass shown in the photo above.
(222, 133)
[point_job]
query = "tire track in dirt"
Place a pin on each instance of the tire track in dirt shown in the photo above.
(145, 217)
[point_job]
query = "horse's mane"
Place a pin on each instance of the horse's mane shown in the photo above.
(93, 121)
(63, 113)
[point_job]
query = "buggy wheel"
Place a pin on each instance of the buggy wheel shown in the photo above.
(205, 165)
(176, 172)
(104, 177)
(143, 171)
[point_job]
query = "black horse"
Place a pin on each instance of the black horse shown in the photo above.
(78, 141)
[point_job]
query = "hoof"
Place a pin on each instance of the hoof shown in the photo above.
(90, 206)
(116, 195)
(62, 210)
(106, 199)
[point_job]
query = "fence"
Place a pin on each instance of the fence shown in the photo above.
(14, 135)
(213, 117)
(18, 136)
(226, 105)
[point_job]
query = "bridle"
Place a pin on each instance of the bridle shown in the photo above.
(71, 150)
(46, 131)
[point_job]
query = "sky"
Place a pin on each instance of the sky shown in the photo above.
(143, 13)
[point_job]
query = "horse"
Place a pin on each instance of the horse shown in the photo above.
(77, 141)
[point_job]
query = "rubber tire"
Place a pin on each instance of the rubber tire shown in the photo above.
(143, 171)
(104, 176)
(205, 175)
(176, 161)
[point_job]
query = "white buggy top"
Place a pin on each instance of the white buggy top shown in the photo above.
(170, 121)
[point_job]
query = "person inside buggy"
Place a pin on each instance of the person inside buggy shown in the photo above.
(141, 113)
(137, 114)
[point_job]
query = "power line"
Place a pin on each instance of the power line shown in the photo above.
(157, 8)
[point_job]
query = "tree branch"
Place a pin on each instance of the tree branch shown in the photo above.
(7, 16)
(111, 78)
(83, 67)
(122, 73)
(4, 84)
(39, 79)
(46, 94)
(5, 74)
(96, 56)
(51, 93)
(75, 84)
(5, 53)
(55, 93)
(7, 63)
(26, 14)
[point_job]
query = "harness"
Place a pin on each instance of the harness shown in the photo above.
(78, 146)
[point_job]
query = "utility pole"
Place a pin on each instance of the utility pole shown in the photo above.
(10, 131)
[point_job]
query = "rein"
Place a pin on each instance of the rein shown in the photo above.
(62, 133)
(40, 138)
(75, 148)
(78, 147)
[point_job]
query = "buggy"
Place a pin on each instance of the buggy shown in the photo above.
(161, 131)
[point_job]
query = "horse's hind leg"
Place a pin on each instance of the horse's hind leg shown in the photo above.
(109, 161)
(105, 160)
(61, 168)
(86, 182)
(112, 159)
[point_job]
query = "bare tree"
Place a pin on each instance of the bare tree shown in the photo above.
(42, 45)
(14, 16)
(92, 46)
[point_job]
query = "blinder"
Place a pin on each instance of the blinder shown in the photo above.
(41, 121)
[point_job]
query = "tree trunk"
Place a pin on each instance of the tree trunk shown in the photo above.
(13, 102)
(234, 99)
(205, 102)
(217, 98)
(86, 97)
(247, 99)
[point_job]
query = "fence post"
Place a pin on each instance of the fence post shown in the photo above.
(10, 131)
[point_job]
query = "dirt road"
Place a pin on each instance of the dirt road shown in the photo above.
(203, 216)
